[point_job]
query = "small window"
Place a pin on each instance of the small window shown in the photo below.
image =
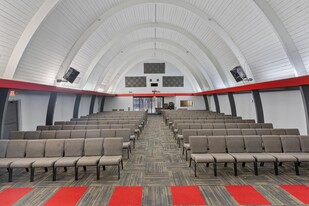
(153, 84)
(186, 103)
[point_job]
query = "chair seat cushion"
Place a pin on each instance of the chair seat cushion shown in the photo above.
(66, 161)
(23, 163)
(132, 137)
(45, 162)
(243, 157)
(126, 145)
(263, 157)
(283, 157)
(180, 136)
(222, 157)
(302, 157)
(5, 162)
(186, 146)
(88, 161)
(175, 130)
(202, 158)
(110, 160)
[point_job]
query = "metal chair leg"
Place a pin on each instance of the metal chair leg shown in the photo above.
(195, 168)
(76, 173)
(276, 168)
(296, 168)
(31, 174)
(10, 174)
(121, 164)
(118, 171)
(190, 162)
(235, 168)
(215, 169)
(98, 172)
(54, 173)
(255, 168)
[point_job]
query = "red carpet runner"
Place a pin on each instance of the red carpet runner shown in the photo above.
(247, 195)
(68, 196)
(301, 192)
(187, 195)
(12, 195)
(126, 195)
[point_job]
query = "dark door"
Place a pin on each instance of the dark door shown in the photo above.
(11, 119)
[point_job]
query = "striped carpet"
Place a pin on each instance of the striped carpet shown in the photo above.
(157, 164)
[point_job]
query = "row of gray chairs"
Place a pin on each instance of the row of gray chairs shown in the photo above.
(54, 153)
(249, 149)
(170, 120)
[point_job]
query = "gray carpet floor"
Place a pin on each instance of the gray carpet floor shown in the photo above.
(157, 163)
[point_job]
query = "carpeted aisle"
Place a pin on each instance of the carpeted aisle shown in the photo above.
(157, 174)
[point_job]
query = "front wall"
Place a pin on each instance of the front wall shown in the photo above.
(84, 105)
(245, 107)
(64, 107)
(118, 103)
(224, 103)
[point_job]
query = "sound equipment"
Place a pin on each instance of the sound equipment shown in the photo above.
(238, 74)
(71, 75)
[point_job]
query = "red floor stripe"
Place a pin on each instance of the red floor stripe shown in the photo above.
(247, 195)
(12, 195)
(67, 196)
(126, 195)
(187, 195)
(301, 192)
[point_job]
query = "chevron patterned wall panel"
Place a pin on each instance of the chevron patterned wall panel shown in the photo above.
(154, 68)
(135, 81)
(173, 81)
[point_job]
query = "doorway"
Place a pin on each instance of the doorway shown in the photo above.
(150, 104)
(11, 122)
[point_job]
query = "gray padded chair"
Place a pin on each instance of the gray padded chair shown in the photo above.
(17, 135)
(199, 151)
(254, 146)
(186, 145)
(291, 131)
(34, 151)
(15, 150)
(3, 148)
(55, 127)
(63, 134)
(93, 133)
(53, 151)
(125, 134)
(32, 135)
(272, 145)
(236, 148)
(108, 133)
(48, 134)
(93, 151)
(73, 151)
(304, 143)
(217, 148)
(112, 148)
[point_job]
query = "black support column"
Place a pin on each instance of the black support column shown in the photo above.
(4, 96)
(76, 105)
(232, 103)
(206, 102)
(216, 103)
(51, 108)
(305, 94)
(92, 104)
(102, 104)
(258, 106)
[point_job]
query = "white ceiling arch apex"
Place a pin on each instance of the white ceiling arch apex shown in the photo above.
(199, 72)
(26, 37)
(213, 60)
(284, 37)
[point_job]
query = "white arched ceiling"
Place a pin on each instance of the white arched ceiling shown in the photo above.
(149, 54)
(268, 38)
(134, 47)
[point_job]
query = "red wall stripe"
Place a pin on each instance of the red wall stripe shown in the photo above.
(291, 82)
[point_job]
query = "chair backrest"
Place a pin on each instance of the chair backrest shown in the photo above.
(217, 144)
(16, 149)
(219, 132)
(35, 148)
(80, 127)
(17, 135)
(235, 144)
(93, 133)
(42, 127)
(290, 143)
(68, 127)
(253, 144)
(247, 132)
(304, 143)
(267, 125)
(124, 133)
(93, 147)
(255, 125)
(108, 133)
(78, 134)
(186, 133)
(278, 131)
(263, 131)
(198, 144)
(54, 148)
(204, 132)
(63, 134)
(195, 126)
(73, 147)
(48, 134)
(32, 135)
(55, 127)
(233, 132)
(3, 147)
(92, 126)
(243, 125)
(272, 143)
(207, 126)
(291, 131)
(113, 146)
(103, 126)
(231, 126)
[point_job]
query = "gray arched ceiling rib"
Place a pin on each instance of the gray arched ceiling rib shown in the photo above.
(286, 40)
(26, 36)
(114, 64)
(121, 34)
(128, 3)
(200, 72)
(146, 54)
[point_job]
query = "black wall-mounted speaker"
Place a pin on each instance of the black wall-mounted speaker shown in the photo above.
(238, 74)
(71, 75)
